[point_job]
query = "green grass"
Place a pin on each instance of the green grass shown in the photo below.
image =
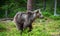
(47, 28)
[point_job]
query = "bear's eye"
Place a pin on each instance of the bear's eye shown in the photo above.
(39, 14)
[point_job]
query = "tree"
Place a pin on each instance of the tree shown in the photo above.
(44, 4)
(29, 5)
(55, 5)
(6, 10)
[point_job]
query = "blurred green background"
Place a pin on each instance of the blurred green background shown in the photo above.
(49, 26)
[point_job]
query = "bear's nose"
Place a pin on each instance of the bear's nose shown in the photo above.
(42, 17)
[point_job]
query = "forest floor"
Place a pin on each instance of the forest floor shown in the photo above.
(47, 27)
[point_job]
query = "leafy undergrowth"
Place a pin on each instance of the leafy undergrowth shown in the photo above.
(46, 28)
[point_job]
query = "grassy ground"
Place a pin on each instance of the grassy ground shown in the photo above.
(48, 27)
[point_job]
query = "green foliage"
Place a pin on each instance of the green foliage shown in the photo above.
(12, 14)
(3, 33)
(47, 14)
(42, 29)
(12, 6)
(2, 26)
(55, 17)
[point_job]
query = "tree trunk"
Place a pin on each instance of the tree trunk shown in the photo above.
(44, 4)
(29, 5)
(6, 13)
(55, 6)
(6, 10)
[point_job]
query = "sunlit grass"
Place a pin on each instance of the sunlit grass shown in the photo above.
(47, 28)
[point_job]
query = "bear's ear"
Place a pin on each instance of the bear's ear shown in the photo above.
(37, 11)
